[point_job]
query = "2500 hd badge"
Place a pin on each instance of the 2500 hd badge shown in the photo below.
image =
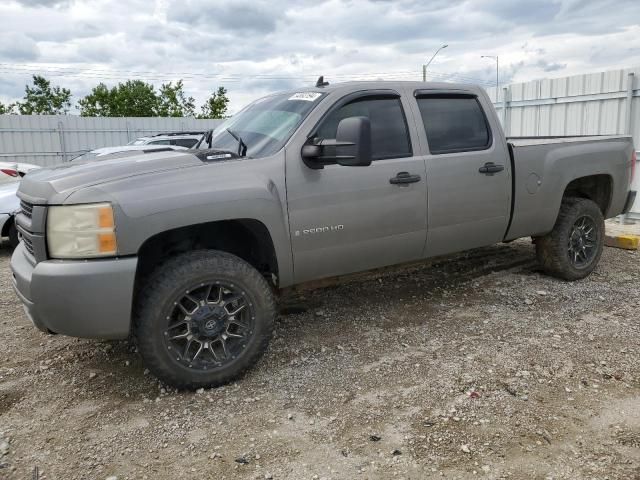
(312, 231)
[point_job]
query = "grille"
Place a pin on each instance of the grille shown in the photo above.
(28, 244)
(26, 209)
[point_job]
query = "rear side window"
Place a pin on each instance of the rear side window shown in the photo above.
(389, 133)
(454, 124)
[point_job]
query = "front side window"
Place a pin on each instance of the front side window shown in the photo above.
(265, 125)
(454, 123)
(389, 133)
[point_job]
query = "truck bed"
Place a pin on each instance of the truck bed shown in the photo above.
(543, 167)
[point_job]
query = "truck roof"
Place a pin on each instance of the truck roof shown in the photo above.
(387, 84)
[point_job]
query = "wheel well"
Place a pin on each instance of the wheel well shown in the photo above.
(246, 238)
(6, 227)
(595, 187)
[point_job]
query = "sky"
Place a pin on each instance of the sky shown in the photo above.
(256, 47)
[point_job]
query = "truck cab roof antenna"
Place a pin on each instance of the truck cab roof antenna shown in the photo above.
(321, 82)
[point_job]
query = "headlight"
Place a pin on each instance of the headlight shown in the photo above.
(81, 231)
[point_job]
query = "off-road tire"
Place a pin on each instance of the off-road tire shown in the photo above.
(178, 275)
(13, 235)
(552, 249)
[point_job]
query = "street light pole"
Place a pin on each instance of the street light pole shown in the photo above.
(495, 57)
(424, 67)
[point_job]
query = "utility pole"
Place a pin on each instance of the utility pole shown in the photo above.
(495, 57)
(424, 67)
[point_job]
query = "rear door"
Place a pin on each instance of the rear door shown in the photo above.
(348, 219)
(468, 172)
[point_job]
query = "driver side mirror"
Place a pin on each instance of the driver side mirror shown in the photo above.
(351, 148)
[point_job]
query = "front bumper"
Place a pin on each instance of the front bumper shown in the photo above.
(80, 298)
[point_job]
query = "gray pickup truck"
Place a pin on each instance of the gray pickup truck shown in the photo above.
(186, 251)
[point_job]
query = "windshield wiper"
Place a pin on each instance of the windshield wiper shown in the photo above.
(206, 138)
(242, 147)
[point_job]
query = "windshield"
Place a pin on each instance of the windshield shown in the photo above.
(264, 125)
(137, 142)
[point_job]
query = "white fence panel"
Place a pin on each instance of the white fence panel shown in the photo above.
(601, 103)
(591, 104)
(49, 139)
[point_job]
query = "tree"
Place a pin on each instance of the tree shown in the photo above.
(216, 105)
(97, 103)
(134, 98)
(173, 102)
(42, 99)
(9, 109)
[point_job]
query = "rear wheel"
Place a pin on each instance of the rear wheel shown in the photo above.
(203, 319)
(573, 248)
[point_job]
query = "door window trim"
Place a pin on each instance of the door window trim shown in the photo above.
(368, 94)
(418, 94)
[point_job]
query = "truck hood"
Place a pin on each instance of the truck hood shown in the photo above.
(41, 186)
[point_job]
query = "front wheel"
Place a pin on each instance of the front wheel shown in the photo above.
(203, 319)
(572, 249)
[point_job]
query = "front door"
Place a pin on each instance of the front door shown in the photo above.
(348, 219)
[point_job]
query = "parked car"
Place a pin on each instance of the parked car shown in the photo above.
(122, 151)
(181, 139)
(10, 175)
(9, 205)
(10, 171)
(187, 250)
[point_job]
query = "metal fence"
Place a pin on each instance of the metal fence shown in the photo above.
(50, 139)
(591, 104)
(599, 103)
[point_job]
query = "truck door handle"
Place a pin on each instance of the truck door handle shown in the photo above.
(403, 178)
(490, 168)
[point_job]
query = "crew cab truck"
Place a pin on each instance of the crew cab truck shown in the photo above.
(186, 251)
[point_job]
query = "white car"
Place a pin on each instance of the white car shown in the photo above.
(11, 171)
(121, 151)
(10, 175)
(180, 139)
(9, 204)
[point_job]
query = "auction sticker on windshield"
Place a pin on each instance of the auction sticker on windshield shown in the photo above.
(306, 96)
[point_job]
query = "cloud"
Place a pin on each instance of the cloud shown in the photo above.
(11, 89)
(256, 47)
(550, 67)
(241, 16)
(16, 46)
(45, 3)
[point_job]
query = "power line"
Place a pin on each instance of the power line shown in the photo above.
(228, 75)
(105, 74)
(141, 72)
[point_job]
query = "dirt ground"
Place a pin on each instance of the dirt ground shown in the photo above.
(476, 366)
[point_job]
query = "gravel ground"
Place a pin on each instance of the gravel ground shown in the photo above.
(476, 366)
